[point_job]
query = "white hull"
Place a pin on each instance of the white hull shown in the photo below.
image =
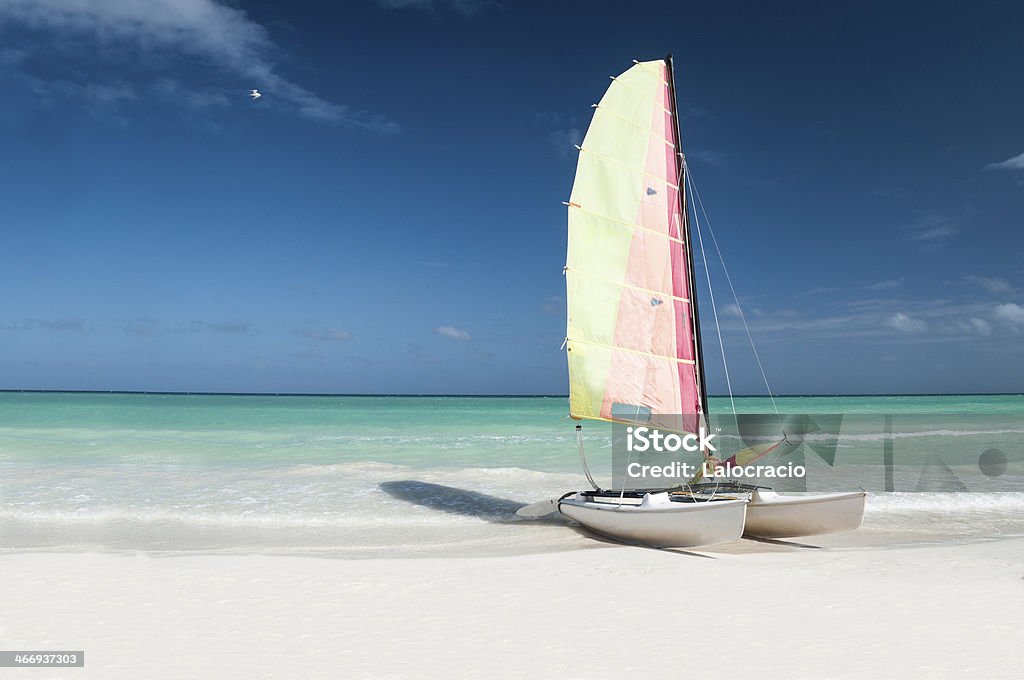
(659, 522)
(770, 515)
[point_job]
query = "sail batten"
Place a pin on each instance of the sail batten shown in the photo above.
(606, 159)
(605, 111)
(631, 351)
(630, 334)
(628, 87)
(626, 224)
(649, 291)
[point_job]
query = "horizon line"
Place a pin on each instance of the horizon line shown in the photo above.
(490, 395)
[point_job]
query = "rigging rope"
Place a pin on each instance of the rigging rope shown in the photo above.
(739, 308)
(711, 292)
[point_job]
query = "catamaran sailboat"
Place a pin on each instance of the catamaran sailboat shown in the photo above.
(633, 331)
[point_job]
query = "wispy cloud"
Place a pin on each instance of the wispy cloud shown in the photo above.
(820, 290)
(464, 7)
(174, 92)
(150, 328)
(234, 326)
(713, 158)
(904, 324)
(888, 284)
(144, 328)
(416, 352)
(565, 141)
(932, 230)
(1014, 163)
(696, 113)
(453, 333)
(994, 285)
(221, 34)
(318, 332)
(55, 324)
(553, 305)
(59, 325)
(10, 56)
(885, 321)
(974, 325)
(102, 100)
(93, 93)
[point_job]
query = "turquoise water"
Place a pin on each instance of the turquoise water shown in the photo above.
(364, 474)
(528, 432)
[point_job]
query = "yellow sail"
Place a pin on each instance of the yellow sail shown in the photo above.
(630, 332)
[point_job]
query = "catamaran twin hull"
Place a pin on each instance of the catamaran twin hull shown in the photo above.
(688, 520)
(657, 520)
(771, 515)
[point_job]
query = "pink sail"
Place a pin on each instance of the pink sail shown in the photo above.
(631, 337)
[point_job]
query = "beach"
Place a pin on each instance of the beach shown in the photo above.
(770, 610)
(365, 537)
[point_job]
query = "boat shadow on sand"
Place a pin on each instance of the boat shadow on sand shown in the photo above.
(457, 501)
(494, 509)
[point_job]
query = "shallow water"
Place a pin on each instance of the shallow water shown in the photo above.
(371, 476)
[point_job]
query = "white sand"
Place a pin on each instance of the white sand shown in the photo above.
(751, 609)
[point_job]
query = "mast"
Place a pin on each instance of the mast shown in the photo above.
(687, 240)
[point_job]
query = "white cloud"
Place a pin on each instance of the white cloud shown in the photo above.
(566, 140)
(933, 321)
(904, 324)
(886, 285)
(817, 291)
(1015, 163)
(976, 326)
(452, 332)
(731, 309)
(224, 35)
(932, 230)
(991, 284)
(936, 233)
(1011, 313)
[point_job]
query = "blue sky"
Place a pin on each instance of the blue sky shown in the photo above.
(388, 217)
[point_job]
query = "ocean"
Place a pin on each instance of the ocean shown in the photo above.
(366, 476)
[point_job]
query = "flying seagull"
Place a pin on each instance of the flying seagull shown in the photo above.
(255, 94)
